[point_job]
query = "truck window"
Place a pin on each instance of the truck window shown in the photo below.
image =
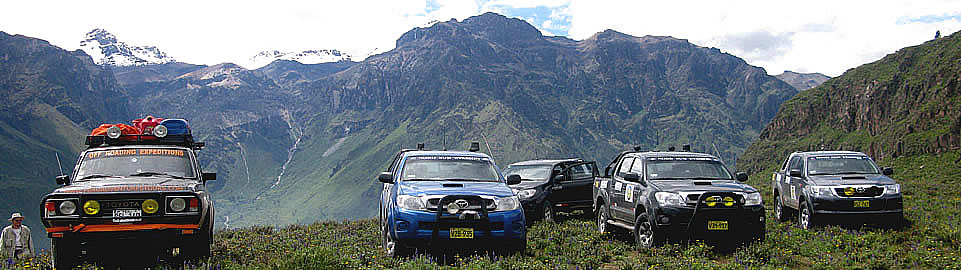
(582, 172)
(841, 165)
(625, 166)
(449, 168)
(127, 162)
(795, 163)
(637, 167)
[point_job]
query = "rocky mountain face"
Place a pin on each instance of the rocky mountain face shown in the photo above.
(105, 49)
(906, 104)
(295, 143)
(802, 81)
(49, 99)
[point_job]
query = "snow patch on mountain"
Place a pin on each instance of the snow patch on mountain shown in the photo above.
(305, 57)
(105, 49)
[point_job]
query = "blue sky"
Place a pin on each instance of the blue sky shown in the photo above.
(825, 36)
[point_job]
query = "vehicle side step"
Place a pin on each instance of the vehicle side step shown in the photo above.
(621, 224)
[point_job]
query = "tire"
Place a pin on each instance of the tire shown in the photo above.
(547, 212)
(806, 219)
(645, 236)
(66, 254)
(781, 213)
(393, 247)
(517, 247)
(602, 218)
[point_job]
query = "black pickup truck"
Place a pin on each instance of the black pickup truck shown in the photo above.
(552, 186)
(831, 185)
(677, 196)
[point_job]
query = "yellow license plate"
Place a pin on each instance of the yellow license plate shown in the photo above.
(462, 233)
(862, 204)
(717, 225)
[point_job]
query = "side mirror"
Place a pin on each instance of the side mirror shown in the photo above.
(386, 177)
(513, 179)
(633, 177)
(207, 176)
(887, 171)
(740, 176)
(795, 173)
(558, 178)
(63, 179)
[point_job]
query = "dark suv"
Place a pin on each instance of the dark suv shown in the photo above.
(836, 185)
(140, 197)
(551, 186)
(662, 196)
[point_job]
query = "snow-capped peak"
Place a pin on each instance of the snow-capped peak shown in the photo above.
(304, 57)
(104, 48)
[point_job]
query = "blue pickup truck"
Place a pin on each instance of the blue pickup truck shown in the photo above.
(441, 199)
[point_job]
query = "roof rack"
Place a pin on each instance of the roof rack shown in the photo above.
(185, 140)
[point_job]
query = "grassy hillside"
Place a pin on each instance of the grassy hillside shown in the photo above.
(931, 241)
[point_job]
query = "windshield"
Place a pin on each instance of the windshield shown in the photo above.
(686, 168)
(104, 164)
(530, 172)
(449, 168)
(841, 165)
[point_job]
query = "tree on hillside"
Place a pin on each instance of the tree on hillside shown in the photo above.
(937, 34)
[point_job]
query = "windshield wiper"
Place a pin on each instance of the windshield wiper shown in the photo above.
(708, 178)
(92, 176)
(853, 172)
(160, 173)
(671, 178)
(468, 180)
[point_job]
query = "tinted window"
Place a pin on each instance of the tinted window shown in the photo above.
(530, 172)
(127, 162)
(449, 168)
(841, 165)
(677, 169)
(625, 166)
(795, 163)
(582, 171)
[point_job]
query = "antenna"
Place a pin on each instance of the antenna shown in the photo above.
(58, 162)
(718, 154)
(445, 141)
(489, 151)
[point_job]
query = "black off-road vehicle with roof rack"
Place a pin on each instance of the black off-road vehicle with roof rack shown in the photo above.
(138, 197)
(551, 186)
(677, 196)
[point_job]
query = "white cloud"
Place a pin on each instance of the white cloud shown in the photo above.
(826, 36)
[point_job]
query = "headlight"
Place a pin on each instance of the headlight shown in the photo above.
(68, 208)
(525, 193)
(892, 189)
(507, 203)
(178, 204)
(752, 199)
(113, 132)
(90, 207)
(411, 202)
(160, 131)
(150, 206)
(669, 199)
(819, 191)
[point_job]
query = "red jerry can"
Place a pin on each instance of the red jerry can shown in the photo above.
(147, 124)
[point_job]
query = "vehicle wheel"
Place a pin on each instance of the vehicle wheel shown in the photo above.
(780, 212)
(66, 254)
(517, 247)
(547, 212)
(392, 247)
(644, 233)
(806, 217)
(602, 220)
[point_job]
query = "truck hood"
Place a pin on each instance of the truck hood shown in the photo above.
(702, 185)
(130, 184)
(851, 179)
(422, 188)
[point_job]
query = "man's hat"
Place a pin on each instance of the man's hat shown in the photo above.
(15, 215)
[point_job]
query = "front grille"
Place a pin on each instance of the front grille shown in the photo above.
(111, 202)
(474, 204)
(872, 191)
(426, 225)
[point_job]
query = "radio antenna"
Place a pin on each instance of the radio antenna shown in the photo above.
(58, 162)
(489, 151)
(718, 154)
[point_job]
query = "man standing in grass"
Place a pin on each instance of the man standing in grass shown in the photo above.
(15, 240)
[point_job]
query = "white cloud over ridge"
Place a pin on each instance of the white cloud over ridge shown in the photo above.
(805, 36)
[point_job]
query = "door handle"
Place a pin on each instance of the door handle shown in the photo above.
(556, 188)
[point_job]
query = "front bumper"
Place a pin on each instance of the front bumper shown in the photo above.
(744, 223)
(415, 226)
(885, 204)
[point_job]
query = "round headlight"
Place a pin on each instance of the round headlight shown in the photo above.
(91, 207)
(712, 201)
(728, 201)
(150, 206)
(113, 132)
(178, 204)
(68, 208)
(160, 131)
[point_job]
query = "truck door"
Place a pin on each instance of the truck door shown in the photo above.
(574, 189)
(621, 208)
(794, 183)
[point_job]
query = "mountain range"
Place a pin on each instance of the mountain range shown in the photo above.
(802, 81)
(296, 142)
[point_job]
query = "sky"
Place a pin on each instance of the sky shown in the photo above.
(825, 36)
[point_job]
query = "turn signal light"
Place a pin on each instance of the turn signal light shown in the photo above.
(194, 205)
(51, 208)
